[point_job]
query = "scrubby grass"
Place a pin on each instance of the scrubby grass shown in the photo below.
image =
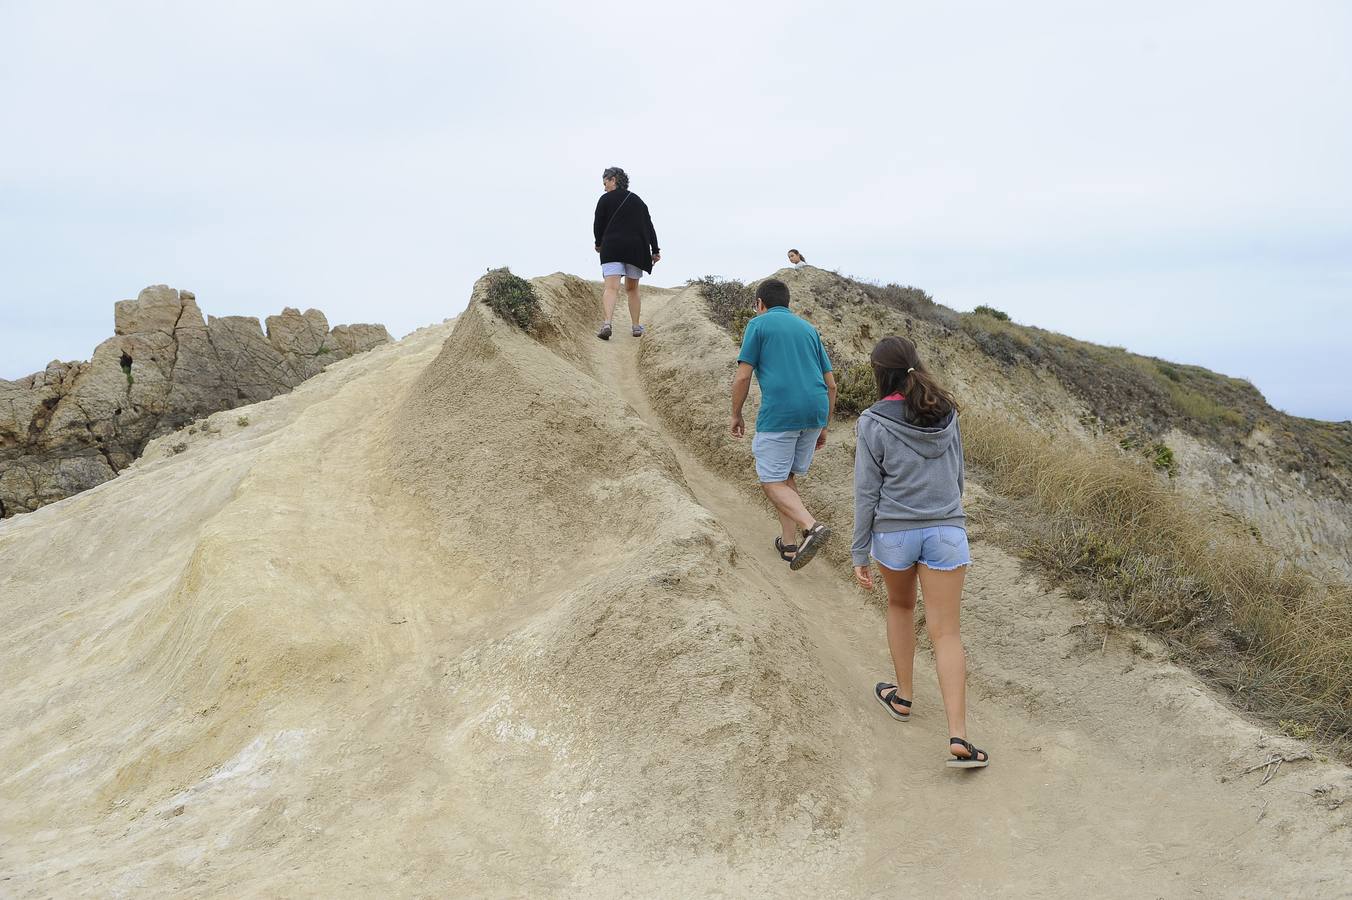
(911, 301)
(730, 302)
(1124, 391)
(740, 319)
(1111, 529)
(1142, 393)
(856, 389)
(512, 298)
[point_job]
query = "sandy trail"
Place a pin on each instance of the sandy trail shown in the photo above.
(486, 614)
(1109, 770)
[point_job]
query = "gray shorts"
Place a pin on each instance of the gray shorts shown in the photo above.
(634, 273)
(778, 453)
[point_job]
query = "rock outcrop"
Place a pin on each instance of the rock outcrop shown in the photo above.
(76, 425)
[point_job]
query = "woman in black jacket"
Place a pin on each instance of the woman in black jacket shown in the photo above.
(627, 242)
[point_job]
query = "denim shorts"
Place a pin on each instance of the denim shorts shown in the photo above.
(941, 548)
(628, 271)
(780, 452)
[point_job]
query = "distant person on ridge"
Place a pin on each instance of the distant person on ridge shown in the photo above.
(908, 480)
(627, 242)
(798, 393)
(798, 259)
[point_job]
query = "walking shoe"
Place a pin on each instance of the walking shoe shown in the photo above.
(604, 333)
(638, 331)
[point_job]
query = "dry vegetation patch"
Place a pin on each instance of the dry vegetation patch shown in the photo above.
(1158, 558)
(1150, 395)
(730, 302)
(512, 297)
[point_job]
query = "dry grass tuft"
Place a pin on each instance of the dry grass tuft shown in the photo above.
(1160, 559)
(730, 301)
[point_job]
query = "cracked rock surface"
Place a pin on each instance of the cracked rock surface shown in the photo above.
(77, 424)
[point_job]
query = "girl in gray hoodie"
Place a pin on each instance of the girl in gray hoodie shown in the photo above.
(908, 479)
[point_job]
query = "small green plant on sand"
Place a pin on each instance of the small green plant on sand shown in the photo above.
(242, 421)
(1158, 454)
(857, 389)
(740, 319)
(1298, 730)
(512, 298)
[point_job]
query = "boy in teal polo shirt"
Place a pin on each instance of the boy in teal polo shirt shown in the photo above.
(798, 393)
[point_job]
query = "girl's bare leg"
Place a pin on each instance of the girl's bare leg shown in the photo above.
(943, 596)
(901, 626)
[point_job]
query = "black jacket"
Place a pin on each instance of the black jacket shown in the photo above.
(624, 230)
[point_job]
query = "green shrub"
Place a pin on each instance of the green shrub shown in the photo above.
(1162, 458)
(856, 388)
(1156, 453)
(984, 310)
(727, 299)
(740, 318)
(512, 298)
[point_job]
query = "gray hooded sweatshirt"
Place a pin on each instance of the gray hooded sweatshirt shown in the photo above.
(905, 476)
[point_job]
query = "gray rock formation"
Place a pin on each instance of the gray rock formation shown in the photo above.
(76, 425)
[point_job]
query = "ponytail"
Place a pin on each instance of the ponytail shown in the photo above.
(929, 403)
(898, 370)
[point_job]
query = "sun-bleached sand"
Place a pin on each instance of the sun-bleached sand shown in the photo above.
(482, 613)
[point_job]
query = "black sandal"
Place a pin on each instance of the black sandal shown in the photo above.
(785, 549)
(813, 539)
(979, 759)
(888, 701)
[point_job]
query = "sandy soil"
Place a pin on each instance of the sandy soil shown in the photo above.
(481, 614)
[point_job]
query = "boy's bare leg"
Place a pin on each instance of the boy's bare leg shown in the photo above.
(789, 528)
(784, 495)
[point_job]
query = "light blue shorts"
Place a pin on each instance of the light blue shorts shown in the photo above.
(628, 271)
(942, 548)
(780, 452)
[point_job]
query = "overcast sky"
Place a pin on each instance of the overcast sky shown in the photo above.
(1169, 177)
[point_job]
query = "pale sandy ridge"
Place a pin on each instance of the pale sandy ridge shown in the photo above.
(482, 614)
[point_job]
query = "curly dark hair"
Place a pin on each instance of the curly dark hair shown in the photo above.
(621, 179)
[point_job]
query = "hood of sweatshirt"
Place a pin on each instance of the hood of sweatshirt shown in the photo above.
(930, 443)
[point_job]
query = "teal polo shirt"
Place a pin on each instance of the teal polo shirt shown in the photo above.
(791, 366)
